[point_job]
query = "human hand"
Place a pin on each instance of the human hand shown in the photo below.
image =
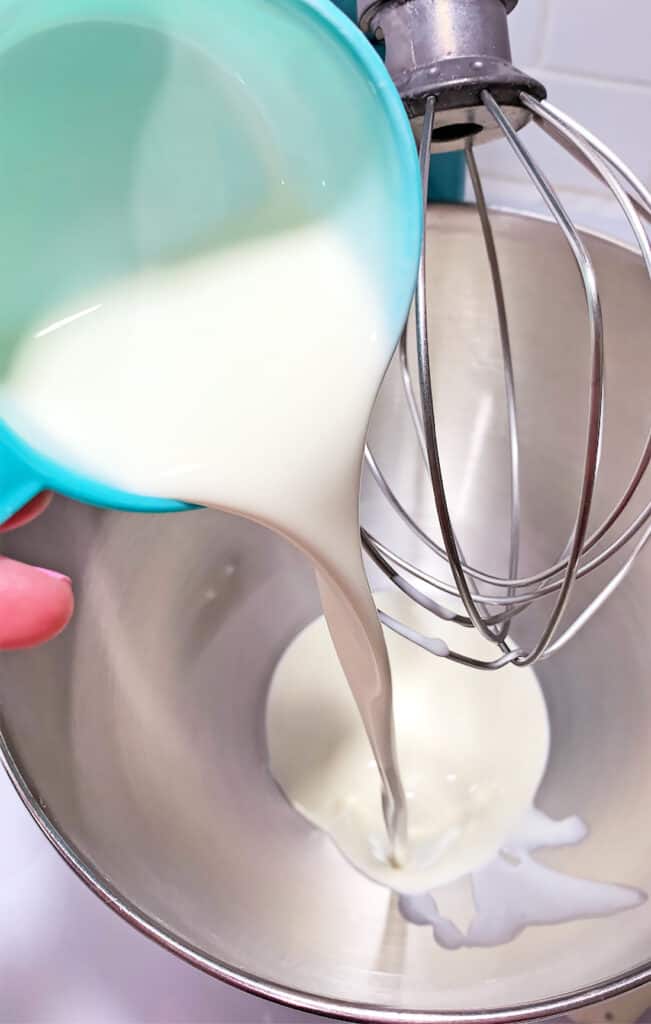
(35, 604)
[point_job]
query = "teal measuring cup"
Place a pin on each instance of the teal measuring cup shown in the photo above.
(101, 178)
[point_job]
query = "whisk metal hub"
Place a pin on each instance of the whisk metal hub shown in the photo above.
(452, 50)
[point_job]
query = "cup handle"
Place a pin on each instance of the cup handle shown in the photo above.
(18, 483)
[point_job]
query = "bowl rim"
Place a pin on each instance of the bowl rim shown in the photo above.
(297, 999)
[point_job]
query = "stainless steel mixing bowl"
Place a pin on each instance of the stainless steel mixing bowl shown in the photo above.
(137, 739)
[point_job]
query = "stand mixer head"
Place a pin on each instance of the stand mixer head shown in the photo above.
(451, 62)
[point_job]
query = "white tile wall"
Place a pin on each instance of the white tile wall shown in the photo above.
(599, 38)
(594, 56)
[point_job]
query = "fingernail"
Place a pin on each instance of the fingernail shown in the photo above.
(54, 575)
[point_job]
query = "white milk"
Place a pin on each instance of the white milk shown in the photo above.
(472, 748)
(242, 380)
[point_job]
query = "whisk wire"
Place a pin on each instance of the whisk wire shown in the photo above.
(427, 404)
(596, 397)
(643, 200)
(577, 144)
(507, 362)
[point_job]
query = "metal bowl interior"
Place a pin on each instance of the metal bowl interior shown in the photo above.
(137, 737)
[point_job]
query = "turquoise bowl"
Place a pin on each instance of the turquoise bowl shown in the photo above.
(86, 195)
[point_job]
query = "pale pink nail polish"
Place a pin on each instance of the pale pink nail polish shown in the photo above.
(54, 575)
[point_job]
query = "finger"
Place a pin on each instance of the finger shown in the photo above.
(29, 512)
(35, 604)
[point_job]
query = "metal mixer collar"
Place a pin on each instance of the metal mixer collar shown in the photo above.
(451, 62)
